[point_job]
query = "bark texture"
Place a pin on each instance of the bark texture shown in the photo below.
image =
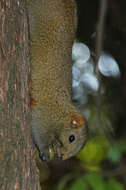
(17, 163)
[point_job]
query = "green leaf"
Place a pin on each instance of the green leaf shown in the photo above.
(95, 181)
(114, 185)
(115, 152)
(94, 151)
(63, 182)
(79, 185)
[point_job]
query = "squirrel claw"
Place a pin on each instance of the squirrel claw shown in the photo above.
(55, 150)
(44, 156)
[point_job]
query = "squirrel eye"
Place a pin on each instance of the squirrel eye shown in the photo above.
(71, 138)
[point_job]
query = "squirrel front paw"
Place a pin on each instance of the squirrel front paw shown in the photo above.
(44, 156)
(52, 152)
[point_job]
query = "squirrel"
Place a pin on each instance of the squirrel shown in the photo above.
(58, 128)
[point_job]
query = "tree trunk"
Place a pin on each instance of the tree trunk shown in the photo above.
(17, 159)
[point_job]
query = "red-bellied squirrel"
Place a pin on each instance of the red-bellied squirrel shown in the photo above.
(58, 128)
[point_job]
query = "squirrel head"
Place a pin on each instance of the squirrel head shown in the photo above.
(69, 140)
(72, 137)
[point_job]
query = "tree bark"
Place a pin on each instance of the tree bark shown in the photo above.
(17, 159)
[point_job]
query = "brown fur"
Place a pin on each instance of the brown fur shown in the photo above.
(52, 31)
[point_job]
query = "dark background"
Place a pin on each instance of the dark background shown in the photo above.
(114, 43)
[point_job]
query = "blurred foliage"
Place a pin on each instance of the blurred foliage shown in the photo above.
(116, 151)
(92, 181)
(107, 117)
(94, 152)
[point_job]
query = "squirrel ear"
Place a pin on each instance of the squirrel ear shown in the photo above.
(77, 121)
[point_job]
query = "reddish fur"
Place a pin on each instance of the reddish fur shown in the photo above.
(32, 101)
(80, 120)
